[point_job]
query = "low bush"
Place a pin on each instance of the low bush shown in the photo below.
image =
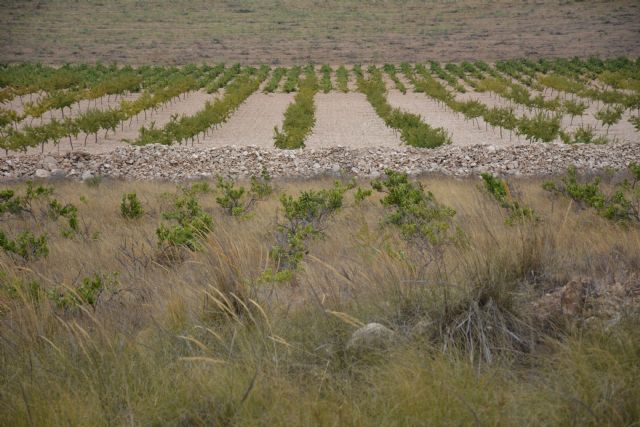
(622, 204)
(130, 206)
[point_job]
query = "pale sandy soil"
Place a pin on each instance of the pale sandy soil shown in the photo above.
(252, 123)
(348, 119)
(187, 105)
(463, 132)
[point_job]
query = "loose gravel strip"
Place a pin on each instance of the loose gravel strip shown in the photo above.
(181, 163)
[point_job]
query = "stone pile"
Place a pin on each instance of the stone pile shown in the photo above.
(178, 163)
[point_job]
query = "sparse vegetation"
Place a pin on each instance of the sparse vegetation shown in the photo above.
(299, 118)
(480, 310)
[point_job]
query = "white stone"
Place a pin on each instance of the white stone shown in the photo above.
(42, 173)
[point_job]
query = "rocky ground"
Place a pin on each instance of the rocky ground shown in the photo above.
(181, 162)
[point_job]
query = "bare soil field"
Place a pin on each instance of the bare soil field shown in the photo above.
(287, 31)
(348, 119)
(253, 123)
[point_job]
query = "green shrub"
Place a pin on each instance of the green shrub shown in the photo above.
(342, 79)
(622, 204)
(500, 191)
(540, 127)
(15, 204)
(583, 135)
(420, 218)
(574, 108)
(68, 211)
(88, 292)
(299, 118)
(261, 186)
(130, 207)
(236, 201)
(610, 115)
(26, 245)
(305, 218)
(413, 131)
(16, 288)
(192, 224)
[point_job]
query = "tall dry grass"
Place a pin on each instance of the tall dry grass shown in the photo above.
(206, 342)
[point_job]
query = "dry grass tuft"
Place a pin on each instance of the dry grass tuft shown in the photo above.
(481, 335)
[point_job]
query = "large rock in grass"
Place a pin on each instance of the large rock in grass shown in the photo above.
(372, 336)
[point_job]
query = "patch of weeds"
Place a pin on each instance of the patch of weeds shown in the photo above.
(69, 212)
(26, 245)
(500, 190)
(130, 207)
(192, 224)
(621, 205)
(236, 201)
(88, 293)
(421, 219)
(305, 218)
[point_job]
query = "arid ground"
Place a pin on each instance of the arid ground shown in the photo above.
(296, 31)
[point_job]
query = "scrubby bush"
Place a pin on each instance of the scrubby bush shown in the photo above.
(26, 245)
(499, 189)
(622, 204)
(305, 218)
(583, 135)
(87, 293)
(130, 207)
(421, 219)
(236, 201)
(193, 223)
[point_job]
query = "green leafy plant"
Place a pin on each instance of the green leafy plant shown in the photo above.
(13, 203)
(583, 135)
(622, 204)
(88, 292)
(421, 219)
(540, 127)
(342, 79)
(574, 108)
(499, 189)
(26, 245)
(609, 116)
(236, 201)
(273, 83)
(305, 218)
(68, 211)
(192, 224)
(325, 83)
(413, 130)
(299, 118)
(130, 207)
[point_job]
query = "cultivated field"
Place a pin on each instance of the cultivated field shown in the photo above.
(319, 212)
(299, 31)
(97, 109)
